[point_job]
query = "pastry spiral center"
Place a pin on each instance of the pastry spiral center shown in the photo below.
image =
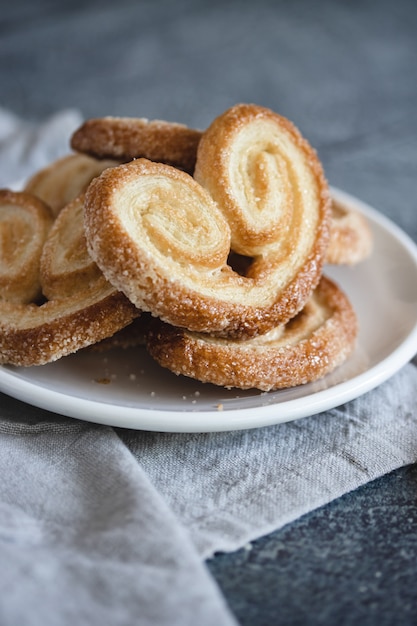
(264, 193)
(178, 223)
(24, 224)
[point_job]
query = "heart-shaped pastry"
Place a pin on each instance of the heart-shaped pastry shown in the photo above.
(165, 239)
(77, 313)
(125, 138)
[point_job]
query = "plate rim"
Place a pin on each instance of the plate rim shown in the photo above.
(223, 418)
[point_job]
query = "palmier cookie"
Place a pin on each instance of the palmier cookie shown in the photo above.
(351, 238)
(307, 348)
(24, 224)
(63, 180)
(127, 138)
(83, 314)
(66, 267)
(160, 237)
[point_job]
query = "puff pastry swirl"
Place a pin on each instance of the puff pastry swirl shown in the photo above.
(308, 347)
(164, 239)
(76, 314)
(24, 225)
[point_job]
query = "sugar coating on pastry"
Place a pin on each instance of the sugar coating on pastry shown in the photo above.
(24, 225)
(351, 238)
(230, 259)
(66, 268)
(164, 239)
(128, 138)
(268, 181)
(85, 310)
(65, 178)
(312, 344)
(34, 334)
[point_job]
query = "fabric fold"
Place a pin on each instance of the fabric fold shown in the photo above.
(230, 488)
(85, 537)
(27, 146)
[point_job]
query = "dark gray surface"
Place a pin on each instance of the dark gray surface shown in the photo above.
(346, 74)
(349, 563)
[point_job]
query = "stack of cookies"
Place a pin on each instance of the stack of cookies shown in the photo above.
(207, 247)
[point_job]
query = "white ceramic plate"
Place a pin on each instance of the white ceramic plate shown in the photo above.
(141, 395)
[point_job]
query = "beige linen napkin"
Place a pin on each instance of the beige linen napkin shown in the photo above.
(27, 146)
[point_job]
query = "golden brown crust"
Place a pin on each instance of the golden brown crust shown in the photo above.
(35, 335)
(24, 224)
(64, 179)
(66, 267)
(82, 308)
(176, 144)
(159, 237)
(127, 138)
(264, 175)
(233, 256)
(351, 238)
(310, 346)
(186, 281)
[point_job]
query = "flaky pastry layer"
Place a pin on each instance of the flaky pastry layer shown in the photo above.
(351, 238)
(78, 312)
(36, 335)
(63, 180)
(24, 225)
(66, 267)
(127, 138)
(268, 181)
(311, 345)
(164, 239)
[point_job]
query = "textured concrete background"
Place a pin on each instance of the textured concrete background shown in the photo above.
(346, 74)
